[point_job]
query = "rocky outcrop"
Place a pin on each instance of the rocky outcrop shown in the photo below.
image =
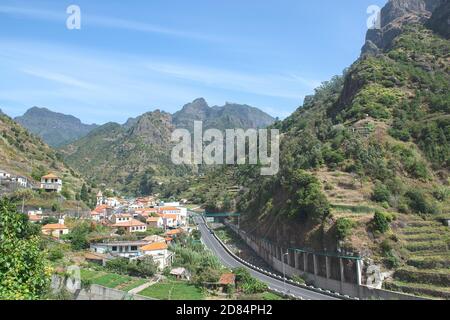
(229, 116)
(395, 15)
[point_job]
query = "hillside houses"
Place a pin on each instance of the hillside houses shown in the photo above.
(127, 223)
(158, 250)
(14, 180)
(129, 219)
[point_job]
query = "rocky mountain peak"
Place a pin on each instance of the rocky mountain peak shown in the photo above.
(394, 15)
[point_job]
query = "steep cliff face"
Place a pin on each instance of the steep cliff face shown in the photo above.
(394, 16)
(372, 143)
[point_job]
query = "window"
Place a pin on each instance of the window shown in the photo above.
(114, 248)
(133, 248)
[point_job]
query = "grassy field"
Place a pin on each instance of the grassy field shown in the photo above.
(112, 280)
(173, 290)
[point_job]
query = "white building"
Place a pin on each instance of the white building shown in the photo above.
(159, 252)
(155, 222)
(4, 175)
(124, 249)
(112, 202)
(51, 183)
(56, 230)
(180, 212)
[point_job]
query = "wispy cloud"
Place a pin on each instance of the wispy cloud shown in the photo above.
(265, 84)
(59, 78)
(108, 22)
(121, 85)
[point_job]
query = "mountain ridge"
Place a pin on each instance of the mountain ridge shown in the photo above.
(55, 128)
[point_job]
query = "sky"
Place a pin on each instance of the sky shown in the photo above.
(131, 57)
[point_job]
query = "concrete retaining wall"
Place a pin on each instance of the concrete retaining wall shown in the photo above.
(97, 292)
(272, 255)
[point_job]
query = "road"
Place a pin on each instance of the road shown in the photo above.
(229, 261)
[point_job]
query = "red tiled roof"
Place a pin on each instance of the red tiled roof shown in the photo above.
(169, 216)
(131, 223)
(154, 246)
(153, 219)
(54, 226)
(169, 209)
(50, 176)
(34, 217)
(227, 278)
(173, 232)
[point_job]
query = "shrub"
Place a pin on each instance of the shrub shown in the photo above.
(55, 254)
(381, 222)
(419, 203)
(381, 193)
(343, 228)
(247, 283)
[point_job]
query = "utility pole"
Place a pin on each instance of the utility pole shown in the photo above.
(284, 271)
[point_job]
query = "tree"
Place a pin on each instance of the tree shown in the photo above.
(381, 193)
(24, 273)
(381, 222)
(84, 195)
(146, 183)
(78, 236)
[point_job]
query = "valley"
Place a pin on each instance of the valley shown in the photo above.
(359, 208)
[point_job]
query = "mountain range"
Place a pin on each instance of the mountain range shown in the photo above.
(122, 155)
(56, 129)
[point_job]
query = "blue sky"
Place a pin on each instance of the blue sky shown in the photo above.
(135, 56)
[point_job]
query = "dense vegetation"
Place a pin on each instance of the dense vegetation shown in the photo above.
(23, 268)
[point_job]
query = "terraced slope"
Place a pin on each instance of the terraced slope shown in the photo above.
(427, 269)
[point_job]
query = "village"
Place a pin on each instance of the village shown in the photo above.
(142, 246)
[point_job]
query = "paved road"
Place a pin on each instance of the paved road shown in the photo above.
(230, 262)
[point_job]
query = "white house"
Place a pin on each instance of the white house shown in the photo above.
(112, 202)
(51, 183)
(180, 212)
(4, 175)
(169, 220)
(22, 181)
(158, 251)
(155, 222)
(125, 249)
(131, 226)
(56, 230)
(124, 217)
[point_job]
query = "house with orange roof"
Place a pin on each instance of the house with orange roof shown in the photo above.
(155, 222)
(51, 183)
(180, 212)
(55, 230)
(34, 218)
(226, 280)
(131, 226)
(159, 252)
(174, 232)
(100, 212)
(169, 220)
